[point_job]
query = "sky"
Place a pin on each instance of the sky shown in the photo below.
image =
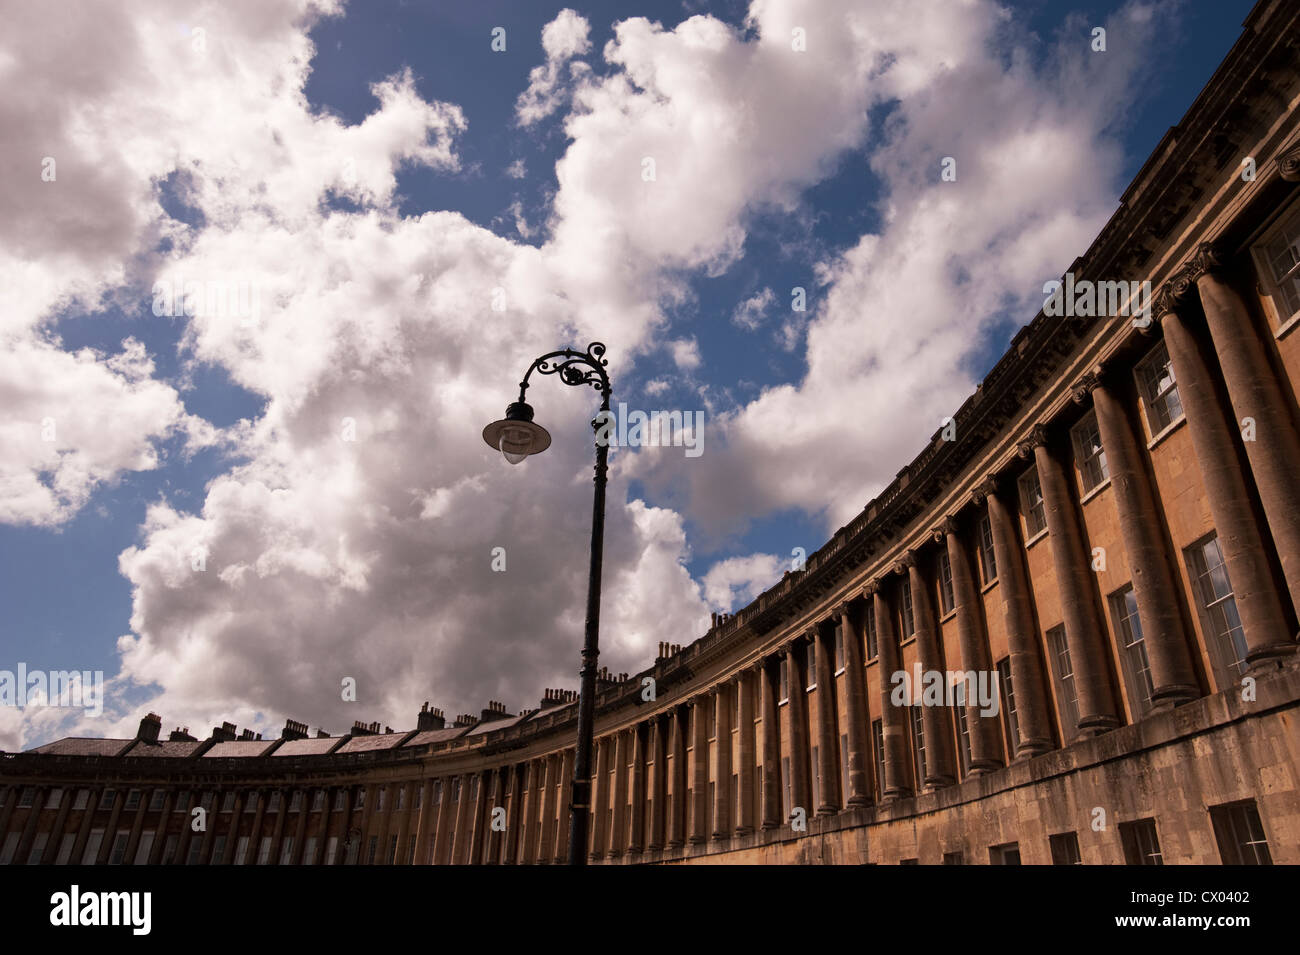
(267, 268)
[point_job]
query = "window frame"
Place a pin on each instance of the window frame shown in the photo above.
(1032, 512)
(1155, 403)
(1091, 465)
(1131, 643)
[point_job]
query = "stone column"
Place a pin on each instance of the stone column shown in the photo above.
(1154, 585)
(87, 823)
(424, 827)
(482, 805)
(1026, 660)
(322, 829)
(550, 783)
(600, 789)
(985, 736)
(300, 832)
(164, 820)
(700, 771)
(528, 836)
(349, 806)
(110, 830)
(232, 834)
(677, 828)
(859, 723)
(463, 831)
(388, 794)
(1075, 579)
(255, 837)
(800, 764)
(566, 797)
(623, 750)
(659, 782)
(442, 833)
(515, 822)
(56, 833)
(281, 818)
(939, 769)
(1256, 393)
(639, 741)
(1258, 602)
(772, 814)
(722, 763)
(828, 734)
(33, 823)
(745, 772)
(893, 718)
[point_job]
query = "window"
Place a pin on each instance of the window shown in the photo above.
(106, 800)
(372, 849)
(1089, 455)
(839, 646)
(909, 622)
(273, 805)
(38, 848)
(169, 850)
(339, 799)
(785, 678)
(227, 801)
(26, 797)
(810, 661)
(954, 858)
(1137, 668)
(332, 850)
(53, 799)
(1010, 723)
(988, 559)
(83, 797)
(872, 647)
(10, 846)
(309, 851)
(1065, 848)
(318, 800)
(295, 801)
(286, 851)
(1006, 854)
(1219, 608)
(963, 725)
(410, 849)
(878, 735)
(401, 798)
(918, 744)
(816, 778)
(1141, 845)
(218, 850)
(156, 800)
(241, 851)
(92, 846)
(947, 603)
(785, 778)
(264, 851)
(115, 858)
(1240, 834)
(1279, 259)
(844, 763)
(64, 855)
(1031, 503)
(1063, 671)
(383, 797)
(183, 799)
(1159, 390)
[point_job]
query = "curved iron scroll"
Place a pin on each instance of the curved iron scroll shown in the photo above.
(573, 367)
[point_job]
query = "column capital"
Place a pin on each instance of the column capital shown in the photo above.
(1036, 437)
(871, 587)
(907, 561)
(1288, 164)
(948, 525)
(1085, 385)
(842, 608)
(985, 488)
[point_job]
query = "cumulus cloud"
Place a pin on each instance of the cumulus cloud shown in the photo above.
(563, 38)
(750, 313)
(356, 538)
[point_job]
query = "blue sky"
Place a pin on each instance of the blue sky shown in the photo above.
(69, 600)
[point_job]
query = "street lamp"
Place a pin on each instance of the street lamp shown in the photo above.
(516, 436)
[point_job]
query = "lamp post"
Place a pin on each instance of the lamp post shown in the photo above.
(516, 436)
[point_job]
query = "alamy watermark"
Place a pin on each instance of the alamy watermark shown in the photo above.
(83, 688)
(654, 429)
(1085, 298)
(939, 688)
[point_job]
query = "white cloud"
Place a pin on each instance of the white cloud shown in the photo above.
(686, 353)
(750, 313)
(563, 38)
(734, 582)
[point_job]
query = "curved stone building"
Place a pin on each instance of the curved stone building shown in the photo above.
(1098, 558)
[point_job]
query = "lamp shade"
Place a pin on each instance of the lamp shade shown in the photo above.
(515, 435)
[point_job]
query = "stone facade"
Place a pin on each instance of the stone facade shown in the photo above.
(1110, 527)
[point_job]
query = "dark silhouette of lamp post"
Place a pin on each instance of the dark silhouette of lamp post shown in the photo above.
(517, 436)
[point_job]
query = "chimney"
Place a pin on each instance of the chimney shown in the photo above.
(247, 734)
(494, 711)
(224, 733)
(430, 719)
(293, 730)
(149, 728)
(181, 735)
(321, 734)
(465, 719)
(361, 729)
